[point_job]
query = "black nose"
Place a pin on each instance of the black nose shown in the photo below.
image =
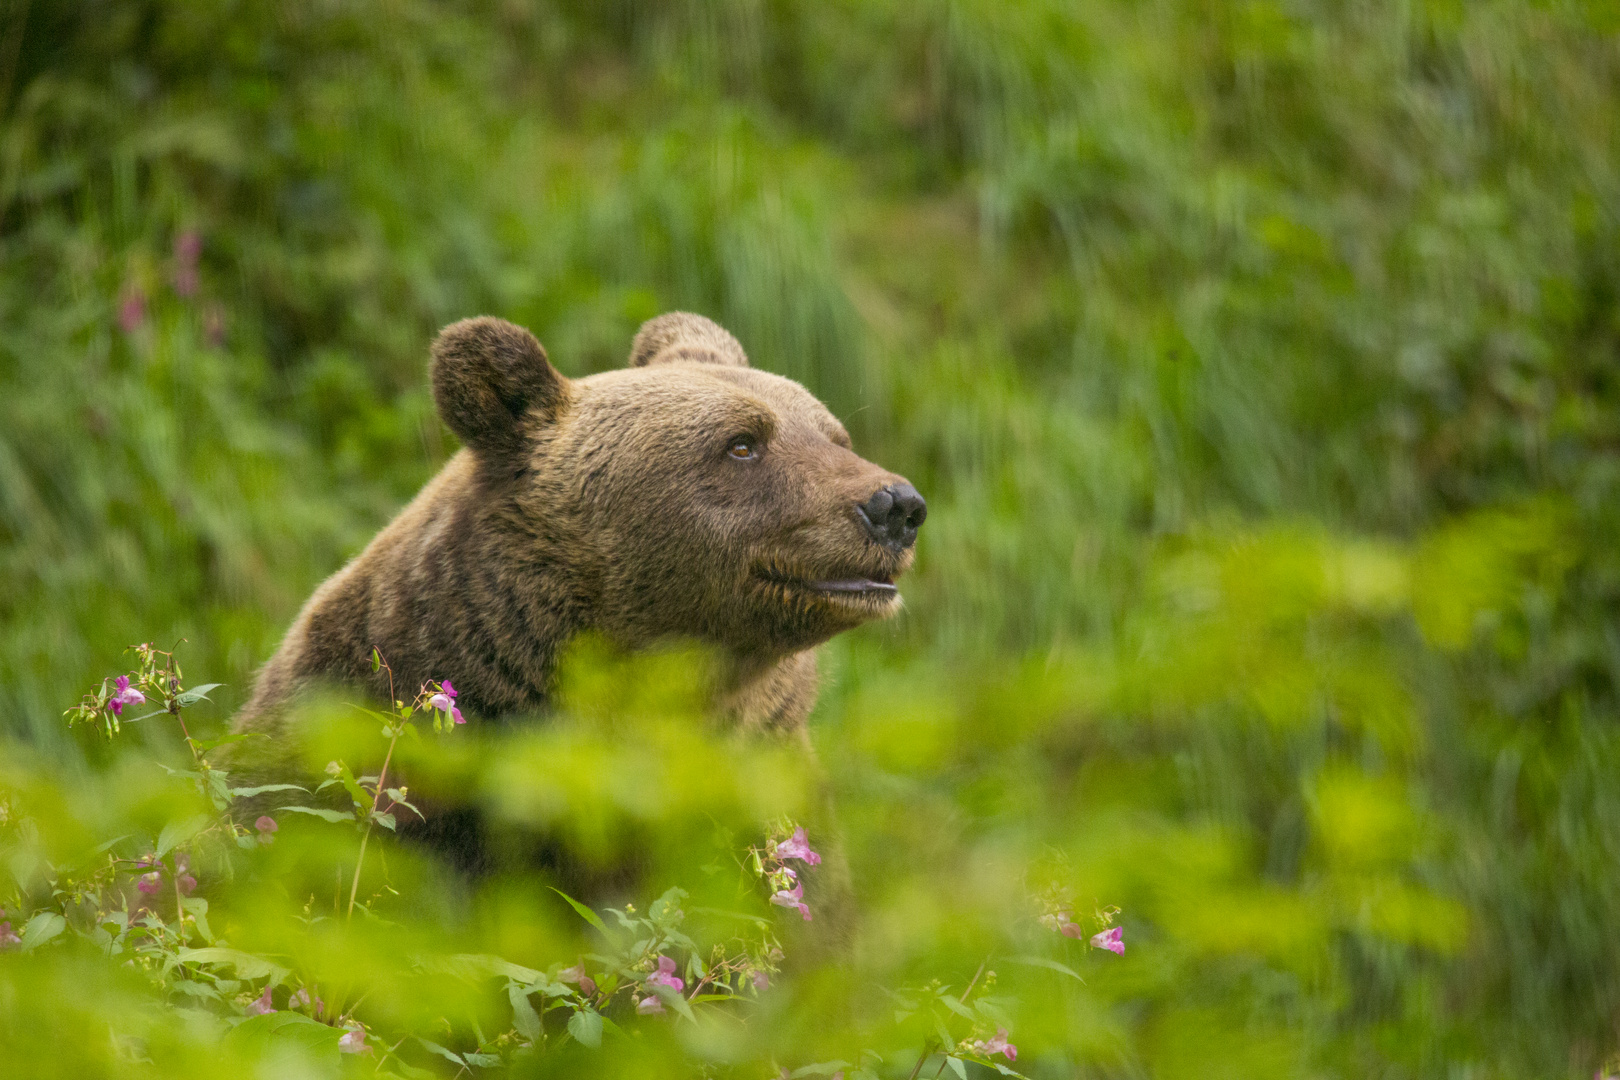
(892, 515)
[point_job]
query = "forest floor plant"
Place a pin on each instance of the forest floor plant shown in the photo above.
(136, 903)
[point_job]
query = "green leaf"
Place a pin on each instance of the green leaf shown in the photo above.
(959, 1008)
(546, 988)
(254, 1037)
(448, 1055)
(956, 1066)
(524, 1017)
(667, 907)
(321, 812)
(1041, 961)
(674, 1000)
(376, 661)
(247, 965)
(483, 1061)
(474, 966)
(820, 1068)
(358, 795)
(176, 833)
(246, 792)
(197, 908)
(586, 1027)
(196, 989)
(42, 928)
(196, 694)
(385, 820)
(584, 912)
(724, 913)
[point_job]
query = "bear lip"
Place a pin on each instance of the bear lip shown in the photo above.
(853, 585)
(881, 585)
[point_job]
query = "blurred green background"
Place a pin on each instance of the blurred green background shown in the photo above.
(1260, 362)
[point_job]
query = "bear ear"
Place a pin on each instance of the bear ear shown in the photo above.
(680, 335)
(487, 376)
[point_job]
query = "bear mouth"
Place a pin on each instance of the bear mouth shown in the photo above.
(879, 587)
(852, 586)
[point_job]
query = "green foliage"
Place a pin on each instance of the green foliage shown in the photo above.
(1257, 361)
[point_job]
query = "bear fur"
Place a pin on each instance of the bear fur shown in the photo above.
(686, 496)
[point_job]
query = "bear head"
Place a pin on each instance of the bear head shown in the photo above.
(693, 495)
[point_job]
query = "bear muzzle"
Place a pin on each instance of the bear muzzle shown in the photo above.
(892, 515)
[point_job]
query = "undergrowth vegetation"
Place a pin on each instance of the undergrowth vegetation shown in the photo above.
(1258, 362)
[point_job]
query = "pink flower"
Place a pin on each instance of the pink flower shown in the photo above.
(576, 974)
(1111, 939)
(650, 1006)
(354, 1042)
(762, 981)
(793, 898)
(124, 696)
(796, 847)
(665, 975)
(185, 883)
(445, 702)
(261, 1005)
(997, 1045)
(267, 829)
(150, 883)
(301, 999)
(8, 937)
(187, 247)
(1063, 925)
(132, 311)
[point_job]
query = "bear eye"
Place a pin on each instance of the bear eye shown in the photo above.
(742, 448)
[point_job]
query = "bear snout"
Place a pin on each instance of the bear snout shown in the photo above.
(892, 515)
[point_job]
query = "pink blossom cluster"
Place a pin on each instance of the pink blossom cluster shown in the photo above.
(663, 975)
(445, 701)
(997, 1045)
(576, 974)
(124, 695)
(787, 889)
(354, 1036)
(1111, 938)
(151, 882)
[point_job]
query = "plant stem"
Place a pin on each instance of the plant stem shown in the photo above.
(354, 888)
(928, 1048)
(170, 685)
(961, 1001)
(973, 981)
(376, 798)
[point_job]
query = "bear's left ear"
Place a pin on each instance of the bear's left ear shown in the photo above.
(680, 335)
(488, 374)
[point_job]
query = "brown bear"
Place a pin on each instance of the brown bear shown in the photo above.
(686, 496)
